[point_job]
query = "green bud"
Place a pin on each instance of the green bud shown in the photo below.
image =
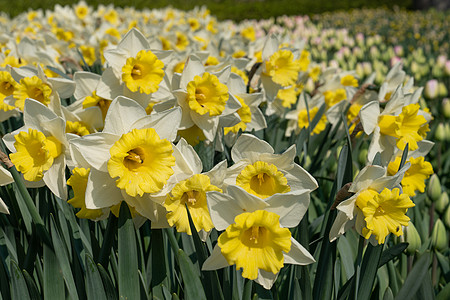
(442, 90)
(413, 239)
(439, 134)
(447, 131)
(442, 203)
(446, 107)
(362, 157)
(439, 236)
(447, 217)
(434, 188)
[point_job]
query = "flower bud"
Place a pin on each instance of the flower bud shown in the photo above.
(309, 86)
(439, 236)
(413, 239)
(447, 68)
(442, 203)
(447, 131)
(439, 134)
(447, 217)
(362, 157)
(434, 188)
(431, 89)
(442, 90)
(446, 107)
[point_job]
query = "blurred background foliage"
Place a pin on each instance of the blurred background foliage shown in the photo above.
(236, 10)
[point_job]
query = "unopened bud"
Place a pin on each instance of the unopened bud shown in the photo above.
(434, 188)
(447, 68)
(447, 131)
(362, 157)
(446, 107)
(439, 134)
(443, 92)
(442, 203)
(447, 217)
(413, 239)
(431, 89)
(439, 236)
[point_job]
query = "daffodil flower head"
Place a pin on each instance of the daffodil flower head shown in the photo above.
(190, 192)
(193, 135)
(262, 179)
(35, 153)
(255, 241)
(415, 176)
(405, 127)
(334, 97)
(349, 80)
(143, 73)
(246, 117)
(207, 94)
(142, 161)
(282, 68)
(78, 181)
(384, 212)
(32, 87)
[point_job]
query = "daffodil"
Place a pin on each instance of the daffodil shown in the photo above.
(204, 98)
(256, 237)
(375, 205)
(130, 159)
(264, 174)
(5, 178)
(40, 147)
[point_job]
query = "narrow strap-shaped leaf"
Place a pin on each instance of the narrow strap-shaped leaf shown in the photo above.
(192, 285)
(19, 289)
(392, 252)
(416, 275)
(248, 286)
(63, 259)
(127, 252)
(158, 257)
(108, 241)
(53, 282)
(94, 284)
(444, 294)
(110, 289)
(32, 288)
(369, 269)
(212, 279)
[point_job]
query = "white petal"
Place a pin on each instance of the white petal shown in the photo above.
(101, 190)
(134, 41)
(299, 178)
(284, 161)
(270, 88)
(5, 177)
(86, 82)
(215, 261)
(95, 148)
(249, 143)
(270, 46)
(232, 105)
(366, 176)
(192, 68)
(207, 124)
(236, 84)
(298, 255)
(291, 207)
(3, 207)
(188, 157)
(218, 173)
(63, 86)
(424, 147)
(122, 113)
(35, 113)
(55, 178)
(109, 86)
(266, 279)
(165, 123)
(348, 206)
(338, 227)
(369, 116)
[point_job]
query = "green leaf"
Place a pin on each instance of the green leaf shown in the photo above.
(127, 255)
(444, 294)
(63, 259)
(53, 281)
(347, 256)
(94, 284)
(192, 285)
(392, 252)
(416, 275)
(108, 240)
(369, 269)
(158, 257)
(32, 288)
(19, 289)
(110, 289)
(388, 295)
(247, 295)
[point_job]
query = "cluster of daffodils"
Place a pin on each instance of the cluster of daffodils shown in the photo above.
(122, 101)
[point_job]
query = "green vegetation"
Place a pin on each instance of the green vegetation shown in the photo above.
(229, 9)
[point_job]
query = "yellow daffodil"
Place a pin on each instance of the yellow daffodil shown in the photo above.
(78, 181)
